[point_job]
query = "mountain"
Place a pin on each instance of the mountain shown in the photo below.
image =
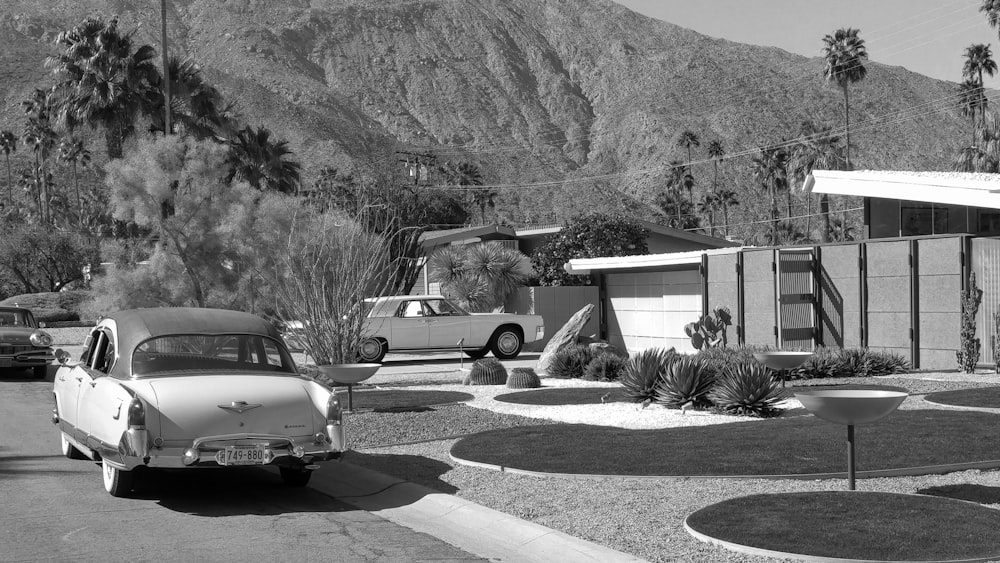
(573, 104)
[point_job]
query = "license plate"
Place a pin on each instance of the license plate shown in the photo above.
(243, 455)
(5, 362)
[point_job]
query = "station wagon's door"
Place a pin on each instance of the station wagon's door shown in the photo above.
(446, 325)
(409, 326)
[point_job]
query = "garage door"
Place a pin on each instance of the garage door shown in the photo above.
(650, 309)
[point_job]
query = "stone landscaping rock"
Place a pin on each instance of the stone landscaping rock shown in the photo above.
(565, 336)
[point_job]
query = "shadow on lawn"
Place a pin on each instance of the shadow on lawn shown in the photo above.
(974, 493)
(415, 469)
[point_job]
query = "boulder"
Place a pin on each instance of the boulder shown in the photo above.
(565, 336)
(607, 348)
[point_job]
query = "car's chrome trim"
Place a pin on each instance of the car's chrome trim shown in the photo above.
(239, 406)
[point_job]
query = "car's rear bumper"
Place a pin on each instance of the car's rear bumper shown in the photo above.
(135, 450)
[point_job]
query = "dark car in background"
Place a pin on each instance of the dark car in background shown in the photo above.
(23, 343)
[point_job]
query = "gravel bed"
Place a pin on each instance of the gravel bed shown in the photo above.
(643, 517)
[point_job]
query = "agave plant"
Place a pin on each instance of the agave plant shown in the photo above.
(569, 362)
(748, 389)
(604, 367)
(643, 371)
(685, 380)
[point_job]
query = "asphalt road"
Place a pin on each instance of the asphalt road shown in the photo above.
(56, 509)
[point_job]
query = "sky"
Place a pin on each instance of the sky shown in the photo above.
(925, 36)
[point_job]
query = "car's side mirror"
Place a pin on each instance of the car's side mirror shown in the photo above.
(62, 356)
(42, 325)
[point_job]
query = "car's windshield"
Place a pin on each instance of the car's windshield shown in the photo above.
(15, 318)
(236, 353)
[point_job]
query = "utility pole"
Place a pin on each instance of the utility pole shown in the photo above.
(166, 68)
(416, 162)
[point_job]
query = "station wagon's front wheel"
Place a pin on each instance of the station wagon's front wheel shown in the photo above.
(506, 343)
(117, 482)
(372, 351)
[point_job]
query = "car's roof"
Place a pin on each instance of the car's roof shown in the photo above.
(13, 308)
(403, 297)
(137, 325)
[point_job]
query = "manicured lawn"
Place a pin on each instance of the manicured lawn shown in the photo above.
(800, 445)
(403, 399)
(565, 396)
(855, 525)
(986, 397)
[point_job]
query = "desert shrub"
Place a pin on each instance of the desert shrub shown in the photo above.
(523, 378)
(849, 362)
(49, 307)
(642, 371)
(487, 371)
(686, 379)
(604, 367)
(569, 362)
(748, 389)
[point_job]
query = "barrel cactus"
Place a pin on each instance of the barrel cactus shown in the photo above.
(523, 378)
(487, 371)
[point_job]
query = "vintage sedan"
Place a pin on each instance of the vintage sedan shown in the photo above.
(409, 323)
(192, 388)
(23, 343)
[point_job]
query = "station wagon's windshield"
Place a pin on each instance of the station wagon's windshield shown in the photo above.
(16, 318)
(236, 353)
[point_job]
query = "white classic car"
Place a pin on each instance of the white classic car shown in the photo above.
(408, 323)
(192, 388)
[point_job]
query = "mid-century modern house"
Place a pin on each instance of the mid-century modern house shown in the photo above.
(897, 290)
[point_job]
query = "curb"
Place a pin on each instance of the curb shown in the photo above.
(471, 527)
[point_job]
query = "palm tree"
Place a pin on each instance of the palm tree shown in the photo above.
(708, 205)
(971, 101)
(979, 61)
(716, 152)
(675, 180)
(105, 80)
(984, 154)
(992, 10)
(8, 144)
(726, 199)
(41, 138)
(196, 107)
(768, 168)
(73, 151)
(687, 140)
(845, 54)
(468, 175)
(264, 164)
(817, 148)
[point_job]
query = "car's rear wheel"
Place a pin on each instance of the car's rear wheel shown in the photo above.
(372, 350)
(295, 476)
(117, 482)
(40, 371)
(68, 450)
(506, 342)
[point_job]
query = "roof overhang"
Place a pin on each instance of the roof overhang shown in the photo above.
(583, 266)
(952, 188)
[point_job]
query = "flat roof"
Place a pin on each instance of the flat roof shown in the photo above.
(628, 263)
(953, 188)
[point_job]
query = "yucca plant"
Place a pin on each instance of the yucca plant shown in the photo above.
(685, 380)
(886, 363)
(747, 389)
(569, 362)
(642, 371)
(604, 367)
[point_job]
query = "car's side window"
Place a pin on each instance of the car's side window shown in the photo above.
(103, 356)
(413, 309)
(89, 346)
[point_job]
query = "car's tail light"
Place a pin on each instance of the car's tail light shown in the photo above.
(335, 423)
(136, 414)
(334, 410)
(40, 338)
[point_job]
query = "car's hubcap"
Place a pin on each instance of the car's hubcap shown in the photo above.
(507, 343)
(370, 348)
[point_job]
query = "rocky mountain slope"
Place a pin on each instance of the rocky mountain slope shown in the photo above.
(571, 104)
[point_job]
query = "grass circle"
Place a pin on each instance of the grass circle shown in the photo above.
(393, 400)
(801, 445)
(853, 525)
(565, 396)
(984, 397)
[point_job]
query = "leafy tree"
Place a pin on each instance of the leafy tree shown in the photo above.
(8, 144)
(263, 163)
(845, 54)
(104, 80)
(44, 259)
(177, 188)
(480, 276)
(587, 236)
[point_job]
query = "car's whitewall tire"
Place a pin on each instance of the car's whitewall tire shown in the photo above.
(68, 449)
(506, 343)
(116, 481)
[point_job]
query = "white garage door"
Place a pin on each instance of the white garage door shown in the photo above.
(650, 309)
